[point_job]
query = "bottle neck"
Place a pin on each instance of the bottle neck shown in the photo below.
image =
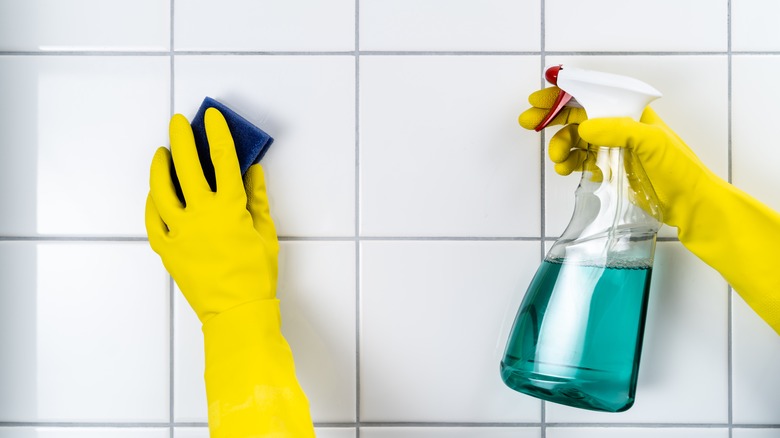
(614, 206)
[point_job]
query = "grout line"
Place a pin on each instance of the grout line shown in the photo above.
(118, 239)
(171, 356)
(637, 53)
(171, 288)
(405, 424)
(729, 57)
(730, 359)
(74, 238)
(449, 238)
(643, 425)
(543, 182)
(446, 53)
(262, 53)
(86, 53)
(365, 53)
(162, 425)
(357, 219)
(317, 239)
(729, 315)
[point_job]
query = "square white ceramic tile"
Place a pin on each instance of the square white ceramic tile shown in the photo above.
(335, 432)
(290, 25)
(683, 374)
(449, 432)
(754, 25)
(78, 135)
(755, 354)
(317, 293)
(87, 328)
(441, 153)
(83, 432)
(756, 433)
(634, 432)
(307, 103)
(490, 25)
(432, 332)
(694, 105)
(189, 389)
(71, 25)
(617, 25)
(755, 156)
(191, 432)
(202, 432)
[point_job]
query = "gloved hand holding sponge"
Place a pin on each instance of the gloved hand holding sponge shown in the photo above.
(221, 249)
(722, 225)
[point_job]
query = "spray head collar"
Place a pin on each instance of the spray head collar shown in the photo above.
(601, 94)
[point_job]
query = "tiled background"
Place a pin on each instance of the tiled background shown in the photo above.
(412, 209)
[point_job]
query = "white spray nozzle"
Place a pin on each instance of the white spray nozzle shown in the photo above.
(601, 94)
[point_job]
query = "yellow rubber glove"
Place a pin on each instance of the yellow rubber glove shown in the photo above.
(222, 251)
(722, 225)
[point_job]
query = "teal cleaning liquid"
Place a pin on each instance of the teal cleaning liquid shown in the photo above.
(578, 334)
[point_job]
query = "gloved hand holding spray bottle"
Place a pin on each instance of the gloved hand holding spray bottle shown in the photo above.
(577, 337)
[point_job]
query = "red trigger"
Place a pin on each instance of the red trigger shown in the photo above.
(560, 102)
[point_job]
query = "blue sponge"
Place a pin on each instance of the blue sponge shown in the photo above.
(251, 142)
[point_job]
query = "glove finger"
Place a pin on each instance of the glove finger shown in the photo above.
(544, 98)
(185, 156)
(574, 162)
(531, 117)
(155, 227)
(622, 132)
(257, 203)
(161, 186)
(223, 155)
(562, 143)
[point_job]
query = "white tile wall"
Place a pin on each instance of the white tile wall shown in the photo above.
(431, 337)
(84, 338)
(754, 25)
(307, 103)
(450, 432)
(631, 26)
(275, 25)
(756, 350)
(78, 25)
(755, 157)
(633, 432)
(82, 432)
(420, 25)
(440, 152)
(322, 432)
(756, 433)
(70, 152)
(411, 206)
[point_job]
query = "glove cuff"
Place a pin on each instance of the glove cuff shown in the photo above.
(736, 235)
(251, 385)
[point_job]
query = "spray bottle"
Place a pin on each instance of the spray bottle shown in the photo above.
(577, 337)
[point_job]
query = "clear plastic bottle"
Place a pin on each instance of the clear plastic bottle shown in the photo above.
(577, 337)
